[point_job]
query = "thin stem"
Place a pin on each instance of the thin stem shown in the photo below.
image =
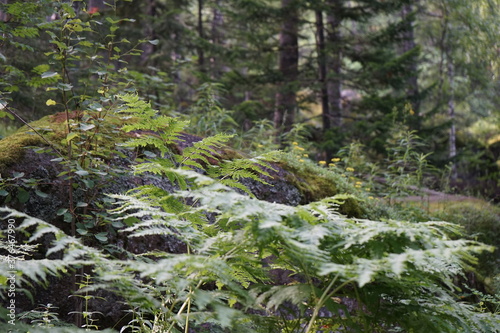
(322, 300)
(186, 329)
(187, 303)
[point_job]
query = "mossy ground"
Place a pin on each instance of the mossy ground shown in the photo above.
(13, 147)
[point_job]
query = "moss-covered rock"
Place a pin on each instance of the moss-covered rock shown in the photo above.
(289, 182)
(315, 182)
(13, 147)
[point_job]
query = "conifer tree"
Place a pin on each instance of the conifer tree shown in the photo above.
(286, 104)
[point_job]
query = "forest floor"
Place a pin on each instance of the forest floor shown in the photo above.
(434, 201)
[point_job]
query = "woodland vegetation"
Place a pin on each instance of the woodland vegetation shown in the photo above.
(358, 104)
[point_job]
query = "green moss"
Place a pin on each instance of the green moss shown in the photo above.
(316, 183)
(13, 147)
(53, 128)
(312, 186)
(352, 208)
(230, 154)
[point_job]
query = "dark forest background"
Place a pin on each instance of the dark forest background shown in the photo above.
(331, 74)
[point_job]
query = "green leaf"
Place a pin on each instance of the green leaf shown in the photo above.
(131, 220)
(41, 194)
(71, 136)
(88, 183)
(82, 173)
(3, 193)
(68, 217)
(64, 86)
(110, 20)
(117, 224)
(18, 174)
(22, 195)
(85, 43)
(5, 114)
(41, 69)
(82, 232)
(49, 74)
(102, 236)
(86, 127)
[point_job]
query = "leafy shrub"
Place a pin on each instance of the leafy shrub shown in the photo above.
(398, 275)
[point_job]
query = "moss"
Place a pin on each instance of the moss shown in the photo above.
(312, 186)
(313, 182)
(13, 147)
(352, 208)
(53, 129)
(230, 154)
(316, 183)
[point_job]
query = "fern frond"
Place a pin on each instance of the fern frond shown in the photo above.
(203, 151)
(276, 296)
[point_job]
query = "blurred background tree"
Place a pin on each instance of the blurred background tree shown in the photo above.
(336, 71)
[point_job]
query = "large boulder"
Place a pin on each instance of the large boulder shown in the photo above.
(35, 182)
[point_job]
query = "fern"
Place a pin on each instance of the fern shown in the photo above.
(399, 271)
(162, 133)
(399, 274)
(232, 172)
(203, 150)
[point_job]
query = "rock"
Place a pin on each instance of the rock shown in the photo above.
(287, 184)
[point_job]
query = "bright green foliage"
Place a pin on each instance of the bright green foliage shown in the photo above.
(162, 134)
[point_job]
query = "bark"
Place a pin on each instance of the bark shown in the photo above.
(320, 47)
(4, 17)
(450, 75)
(452, 144)
(201, 36)
(217, 38)
(148, 48)
(284, 114)
(407, 45)
(334, 80)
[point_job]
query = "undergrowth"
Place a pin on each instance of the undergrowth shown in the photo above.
(343, 274)
(249, 265)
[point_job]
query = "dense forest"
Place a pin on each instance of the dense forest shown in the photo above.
(250, 165)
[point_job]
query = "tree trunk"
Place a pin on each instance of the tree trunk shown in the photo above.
(452, 144)
(407, 45)
(149, 32)
(284, 114)
(4, 17)
(217, 39)
(320, 47)
(201, 36)
(334, 80)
